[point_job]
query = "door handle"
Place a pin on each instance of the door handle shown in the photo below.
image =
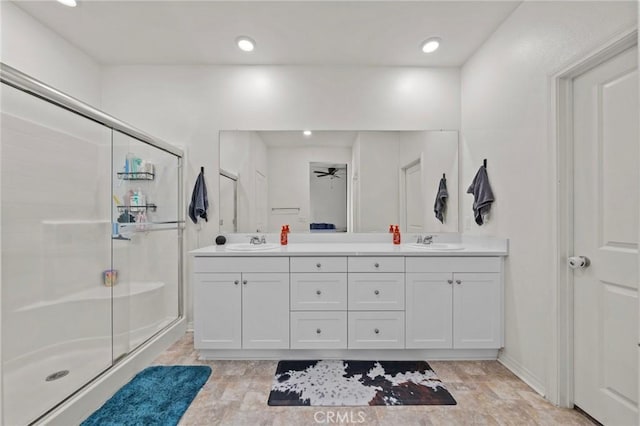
(579, 262)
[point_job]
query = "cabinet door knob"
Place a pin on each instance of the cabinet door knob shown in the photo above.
(376, 292)
(376, 331)
(377, 265)
(236, 282)
(318, 292)
(318, 265)
(244, 282)
(458, 282)
(450, 281)
(318, 331)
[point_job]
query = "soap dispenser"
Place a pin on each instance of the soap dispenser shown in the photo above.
(283, 236)
(396, 235)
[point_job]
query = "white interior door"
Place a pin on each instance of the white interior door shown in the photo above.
(413, 198)
(606, 188)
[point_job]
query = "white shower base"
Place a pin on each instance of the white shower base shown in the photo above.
(27, 395)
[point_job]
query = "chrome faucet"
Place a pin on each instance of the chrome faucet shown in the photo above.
(258, 240)
(427, 239)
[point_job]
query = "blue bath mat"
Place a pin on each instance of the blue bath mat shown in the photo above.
(155, 396)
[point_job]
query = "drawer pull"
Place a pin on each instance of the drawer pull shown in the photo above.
(318, 265)
(377, 265)
(376, 331)
(236, 282)
(377, 292)
(458, 282)
(244, 282)
(450, 281)
(318, 292)
(318, 331)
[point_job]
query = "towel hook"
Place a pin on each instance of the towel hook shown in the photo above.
(484, 163)
(444, 176)
(201, 169)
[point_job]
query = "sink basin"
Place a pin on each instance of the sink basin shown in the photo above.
(251, 247)
(436, 246)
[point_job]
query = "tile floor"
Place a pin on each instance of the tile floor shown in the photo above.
(487, 394)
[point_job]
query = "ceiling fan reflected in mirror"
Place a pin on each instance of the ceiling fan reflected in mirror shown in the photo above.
(332, 172)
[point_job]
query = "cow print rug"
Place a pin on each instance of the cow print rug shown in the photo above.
(357, 383)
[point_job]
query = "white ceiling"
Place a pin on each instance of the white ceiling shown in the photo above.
(293, 139)
(387, 33)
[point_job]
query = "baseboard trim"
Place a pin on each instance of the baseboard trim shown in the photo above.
(89, 399)
(522, 373)
(360, 354)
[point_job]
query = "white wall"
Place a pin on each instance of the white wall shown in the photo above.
(505, 118)
(378, 181)
(34, 49)
(289, 182)
(189, 105)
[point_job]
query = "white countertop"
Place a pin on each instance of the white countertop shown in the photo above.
(473, 246)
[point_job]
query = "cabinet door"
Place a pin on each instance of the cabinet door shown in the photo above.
(429, 311)
(265, 311)
(477, 307)
(217, 311)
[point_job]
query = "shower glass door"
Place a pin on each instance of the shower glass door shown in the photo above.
(56, 254)
(145, 213)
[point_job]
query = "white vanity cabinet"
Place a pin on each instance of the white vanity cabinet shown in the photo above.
(293, 304)
(241, 303)
(454, 303)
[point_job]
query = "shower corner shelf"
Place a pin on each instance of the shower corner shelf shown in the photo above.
(135, 209)
(136, 175)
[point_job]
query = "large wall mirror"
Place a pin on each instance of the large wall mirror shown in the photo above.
(337, 181)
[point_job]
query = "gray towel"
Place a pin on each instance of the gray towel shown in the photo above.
(482, 195)
(199, 201)
(440, 206)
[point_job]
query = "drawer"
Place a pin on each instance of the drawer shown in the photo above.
(318, 330)
(376, 264)
(318, 264)
(376, 330)
(319, 292)
(454, 264)
(240, 264)
(376, 292)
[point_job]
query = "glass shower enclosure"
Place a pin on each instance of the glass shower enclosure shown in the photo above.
(91, 244)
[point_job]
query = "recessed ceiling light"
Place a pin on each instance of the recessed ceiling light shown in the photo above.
(70, 3)
(244, 43)
(431, 45)
(307, 133)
